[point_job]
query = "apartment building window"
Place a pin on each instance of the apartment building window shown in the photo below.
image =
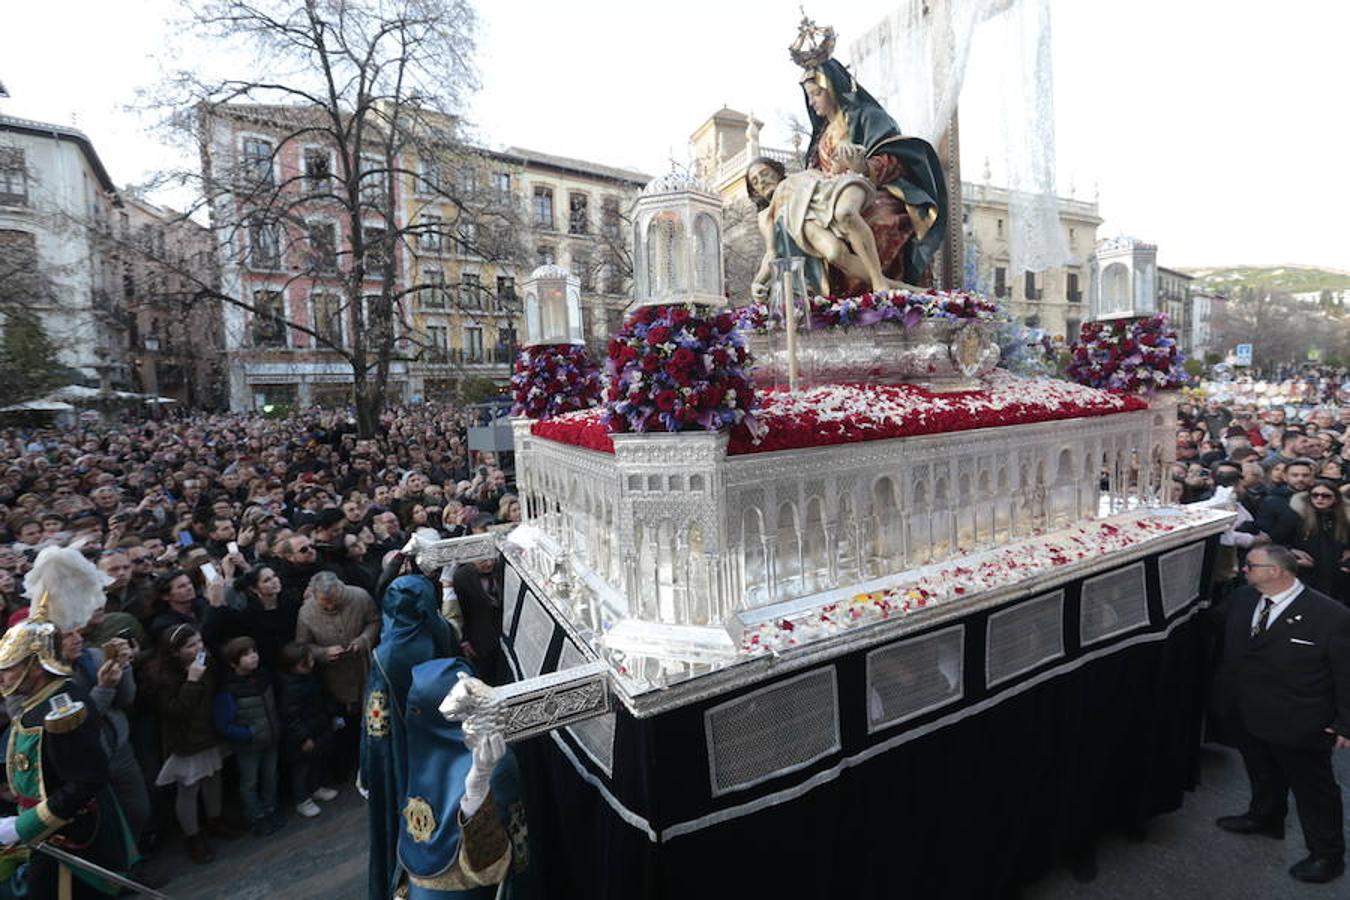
(318, 169)
(13, 177)
(1029, 287)
(466, 180)
(438, 341)
(473, 343)
(545, 255)
(582, 268)
(506, 291)
(264, 245)
(611, 220)
(433, 287)
(578, 214)
(269, 324)
(1072, 327)
(371, 179)
(466, 235)
(328, 319)
(429, 237)
(1000, 282)
(543, 208)
(1075, 295)
(470, 291)
(323, 246)
(256, 161)
(373, 238)
(501, 181)
(428, 176)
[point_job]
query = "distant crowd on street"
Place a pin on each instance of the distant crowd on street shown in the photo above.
(246, 556)
(1288, 469)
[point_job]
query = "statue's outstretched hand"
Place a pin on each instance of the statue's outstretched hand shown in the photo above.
(851, 158)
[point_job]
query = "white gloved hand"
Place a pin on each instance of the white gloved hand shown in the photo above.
(9, 830)
(486, 752)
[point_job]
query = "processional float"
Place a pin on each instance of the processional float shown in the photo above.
(797, 537)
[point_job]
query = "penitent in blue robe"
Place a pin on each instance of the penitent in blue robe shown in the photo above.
(412, 632)
(431, 842)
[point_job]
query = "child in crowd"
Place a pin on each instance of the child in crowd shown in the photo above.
(246, 716)
(307, 737)
(184, 679)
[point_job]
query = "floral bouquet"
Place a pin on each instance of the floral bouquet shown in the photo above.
(1128, 356)
(672, 368)
(551, 379)
(903, 308)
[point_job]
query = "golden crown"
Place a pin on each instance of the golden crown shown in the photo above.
(813, 45)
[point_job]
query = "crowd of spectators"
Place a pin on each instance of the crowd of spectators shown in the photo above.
(1288, 469)
(245, 555)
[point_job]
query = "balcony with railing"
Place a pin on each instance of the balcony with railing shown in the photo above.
(485, 359)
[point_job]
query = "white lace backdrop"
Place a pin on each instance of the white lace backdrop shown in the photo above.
(914, 62)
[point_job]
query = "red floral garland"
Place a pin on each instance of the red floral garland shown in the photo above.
(844, 414)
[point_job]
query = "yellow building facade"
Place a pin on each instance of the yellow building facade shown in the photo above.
(479, 235)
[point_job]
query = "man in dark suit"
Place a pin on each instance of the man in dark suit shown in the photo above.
(478, 585)
(1285, 685)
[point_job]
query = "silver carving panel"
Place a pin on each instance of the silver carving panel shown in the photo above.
(944, 355)
(910, 678)
(1113, 604)
(527, 708)
(1179, 572)
(772, 731)
(1022, 637)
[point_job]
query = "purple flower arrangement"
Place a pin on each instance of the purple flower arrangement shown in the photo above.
(1134, 356)
(552, 379)
(674, 368)
(903, 308)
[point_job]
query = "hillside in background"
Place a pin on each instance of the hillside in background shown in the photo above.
(1287, 279)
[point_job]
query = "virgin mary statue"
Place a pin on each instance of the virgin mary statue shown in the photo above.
(852, 135)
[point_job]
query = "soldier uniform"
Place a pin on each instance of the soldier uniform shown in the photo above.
(54, 759)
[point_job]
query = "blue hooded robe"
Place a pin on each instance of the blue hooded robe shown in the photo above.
(431, 844)
(412, 632)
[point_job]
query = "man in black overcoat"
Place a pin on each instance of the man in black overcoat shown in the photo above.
(1284, 683)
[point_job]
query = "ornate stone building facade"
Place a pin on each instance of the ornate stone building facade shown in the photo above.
(1056, 299)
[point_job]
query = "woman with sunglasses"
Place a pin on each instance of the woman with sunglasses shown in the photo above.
(1323, 544)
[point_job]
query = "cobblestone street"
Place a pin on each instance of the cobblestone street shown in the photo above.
(1182, 856)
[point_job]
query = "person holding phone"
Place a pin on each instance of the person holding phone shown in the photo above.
(184, 682)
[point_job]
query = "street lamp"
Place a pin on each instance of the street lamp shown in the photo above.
(151, 373)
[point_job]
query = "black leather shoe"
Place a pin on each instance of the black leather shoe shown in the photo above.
(1245, 824)
(1318, 869)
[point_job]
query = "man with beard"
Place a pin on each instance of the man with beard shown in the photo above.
(1273, 515)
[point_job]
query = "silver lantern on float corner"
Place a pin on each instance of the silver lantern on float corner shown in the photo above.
(677, 243)
(552, 307)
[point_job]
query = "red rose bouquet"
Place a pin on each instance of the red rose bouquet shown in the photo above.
(674, 368)
(1128, 356)
(551, 379)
